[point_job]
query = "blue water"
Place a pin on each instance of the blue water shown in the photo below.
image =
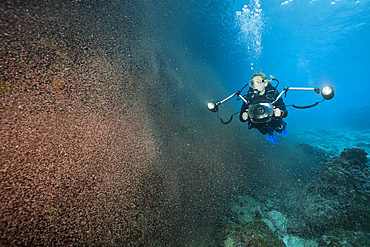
(301, 43)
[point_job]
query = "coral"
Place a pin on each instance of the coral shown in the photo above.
(246, 209)
(355, 155)
(318, 153)
(338, 195)
(340, 237)
(255, 233)
(278, 222)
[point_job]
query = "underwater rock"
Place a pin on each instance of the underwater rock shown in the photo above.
(278, 221)
(355, 155)
(337, 196)
(295, 241)
(317, 153)
(255, 233)
(340, 237)
(333, 141)
(316, 157)
(246, 209)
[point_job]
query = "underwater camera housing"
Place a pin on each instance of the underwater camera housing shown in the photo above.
(260, 109)
(261, 112)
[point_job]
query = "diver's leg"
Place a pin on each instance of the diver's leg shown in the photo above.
(262, 128)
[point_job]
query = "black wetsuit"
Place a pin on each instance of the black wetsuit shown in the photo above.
(276, 123)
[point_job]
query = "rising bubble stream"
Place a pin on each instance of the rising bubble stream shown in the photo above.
(250, 21)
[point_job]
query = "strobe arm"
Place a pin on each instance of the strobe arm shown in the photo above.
(213, 106)
(327, 92)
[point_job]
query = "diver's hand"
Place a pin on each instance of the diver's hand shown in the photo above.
(245, 116)
(277, 112)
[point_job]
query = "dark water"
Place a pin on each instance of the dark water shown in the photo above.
(136, 76)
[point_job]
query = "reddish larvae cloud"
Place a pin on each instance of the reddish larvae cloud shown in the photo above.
(74, 155)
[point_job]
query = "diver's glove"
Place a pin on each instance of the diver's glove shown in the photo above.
(277, 112)
(245, 116)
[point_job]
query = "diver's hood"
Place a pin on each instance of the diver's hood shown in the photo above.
(260, 110)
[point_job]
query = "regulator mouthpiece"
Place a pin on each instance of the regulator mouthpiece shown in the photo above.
(213, 106)
(327, 92)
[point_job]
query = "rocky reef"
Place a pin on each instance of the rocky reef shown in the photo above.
(337, 196)
(254, 233)
(331, 209)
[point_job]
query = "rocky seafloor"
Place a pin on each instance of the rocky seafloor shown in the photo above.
(333, 141)
(331, 209)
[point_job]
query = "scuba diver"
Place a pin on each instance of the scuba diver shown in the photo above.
(263, 107)
(258, 111)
